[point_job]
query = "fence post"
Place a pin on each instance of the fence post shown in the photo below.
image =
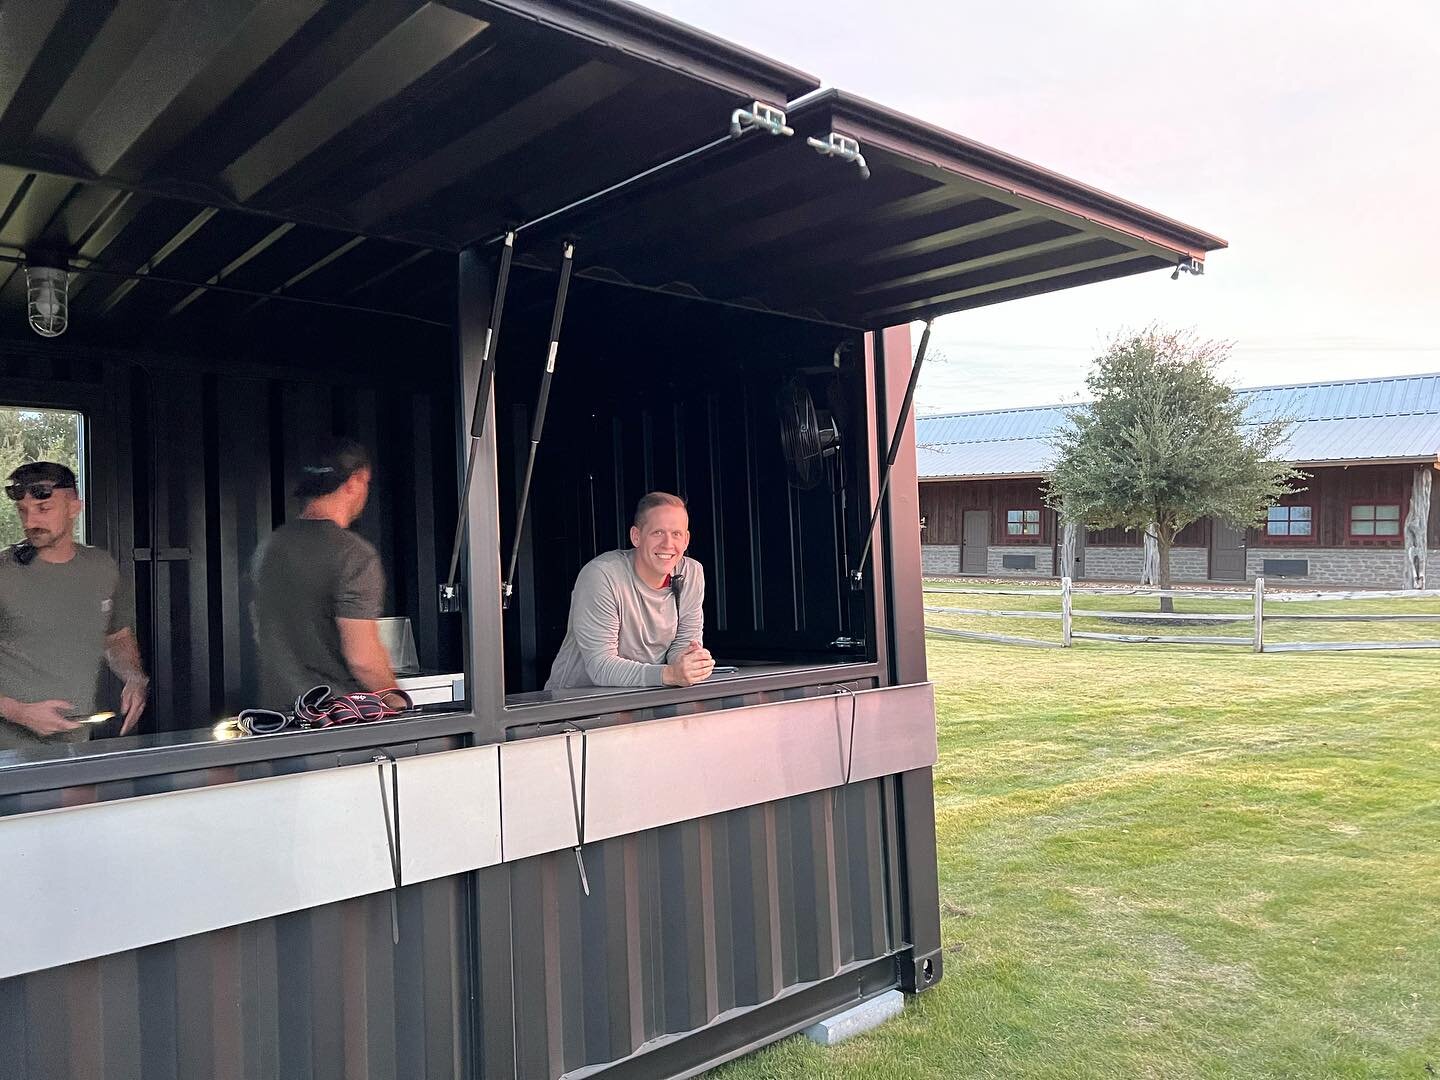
(1259, 614)
(1065, 612)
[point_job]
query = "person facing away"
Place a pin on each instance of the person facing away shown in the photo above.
(60, 615)
(319, 589)
(635, 615)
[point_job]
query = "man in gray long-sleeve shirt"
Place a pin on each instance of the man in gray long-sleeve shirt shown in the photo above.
(635, 615)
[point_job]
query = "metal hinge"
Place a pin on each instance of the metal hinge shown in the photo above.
(843, 147)
(759, 116)
(1187, 266)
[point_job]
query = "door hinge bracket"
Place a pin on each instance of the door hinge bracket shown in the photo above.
(759, 117)
(842, 147)
(1187, 266)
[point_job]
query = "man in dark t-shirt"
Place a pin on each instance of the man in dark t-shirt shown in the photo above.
(319, 589)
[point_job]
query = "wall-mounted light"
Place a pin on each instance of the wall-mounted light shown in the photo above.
(47, 291)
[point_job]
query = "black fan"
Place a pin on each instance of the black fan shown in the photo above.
(808, 436)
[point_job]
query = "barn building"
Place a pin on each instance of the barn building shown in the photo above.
(1366, 445)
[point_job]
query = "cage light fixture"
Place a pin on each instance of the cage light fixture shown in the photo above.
(47, 292)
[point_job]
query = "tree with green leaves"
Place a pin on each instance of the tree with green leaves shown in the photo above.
(1164, 442)
(34, 435)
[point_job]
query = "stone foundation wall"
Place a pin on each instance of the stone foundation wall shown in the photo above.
(1123, 563)
(995, 560)
(939, 559)
(1382, 568)
(945, 559)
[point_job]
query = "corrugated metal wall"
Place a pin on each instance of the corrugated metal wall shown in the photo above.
(317, 994)
(691, 921)
(684, 925)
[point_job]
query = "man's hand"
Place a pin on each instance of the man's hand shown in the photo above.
(692, 666)
(43, 717)
(132, 701)
(122, 653)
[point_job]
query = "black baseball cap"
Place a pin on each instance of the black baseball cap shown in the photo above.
(331, 467)
(44, 472)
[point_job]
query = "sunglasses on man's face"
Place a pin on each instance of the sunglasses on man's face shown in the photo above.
(37, 490)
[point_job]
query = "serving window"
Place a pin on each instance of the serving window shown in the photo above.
(757, 421)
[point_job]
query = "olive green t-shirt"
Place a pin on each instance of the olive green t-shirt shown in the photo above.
(308, 574)
(54, 618)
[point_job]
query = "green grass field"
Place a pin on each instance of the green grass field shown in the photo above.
(1175, 861)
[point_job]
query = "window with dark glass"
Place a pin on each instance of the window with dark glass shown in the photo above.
(1022, 523)
(1375, 519)
(1289, 521)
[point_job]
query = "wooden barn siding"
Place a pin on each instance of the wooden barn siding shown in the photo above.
(943, 506)
(1196, 534)
(1330, 491)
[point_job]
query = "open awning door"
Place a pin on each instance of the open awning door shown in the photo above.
(940, 225)
(200, 160)
(328, 152)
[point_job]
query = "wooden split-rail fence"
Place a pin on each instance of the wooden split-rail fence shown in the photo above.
(1257, 617)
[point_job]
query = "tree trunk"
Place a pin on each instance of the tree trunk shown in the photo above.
(1150, 563)
(1162, 558)
(1067, 549)
(1417, 529)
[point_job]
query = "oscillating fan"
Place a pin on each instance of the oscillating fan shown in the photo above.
(808, 436)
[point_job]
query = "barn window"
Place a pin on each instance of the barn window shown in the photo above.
(1375, 519)
(1288, 521)
(1022, 522)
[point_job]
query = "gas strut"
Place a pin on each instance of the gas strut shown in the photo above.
(537, 426)
(857, 576)
(449, 595)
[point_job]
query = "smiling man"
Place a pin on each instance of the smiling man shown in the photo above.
(635, 615)
(59, 617)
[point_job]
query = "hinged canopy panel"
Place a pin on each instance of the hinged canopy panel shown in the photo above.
(229, 154)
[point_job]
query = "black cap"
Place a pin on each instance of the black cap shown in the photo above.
(326, 471)
(44, 472)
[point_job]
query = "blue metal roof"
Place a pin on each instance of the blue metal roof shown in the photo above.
(1389, 419)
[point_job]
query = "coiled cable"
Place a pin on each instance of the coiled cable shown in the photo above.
(319, 707)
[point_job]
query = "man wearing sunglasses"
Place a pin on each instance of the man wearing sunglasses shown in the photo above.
(58, 619)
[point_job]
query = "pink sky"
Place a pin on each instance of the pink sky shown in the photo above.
(1305, 134)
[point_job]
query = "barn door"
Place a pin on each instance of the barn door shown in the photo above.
(975, 542)
(1227, 552)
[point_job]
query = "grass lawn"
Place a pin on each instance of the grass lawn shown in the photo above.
(1175, 861)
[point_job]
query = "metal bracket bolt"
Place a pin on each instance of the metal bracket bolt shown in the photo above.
(759, 117)
(843, 147)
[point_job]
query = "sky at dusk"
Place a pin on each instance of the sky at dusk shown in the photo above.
(1304, 134)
